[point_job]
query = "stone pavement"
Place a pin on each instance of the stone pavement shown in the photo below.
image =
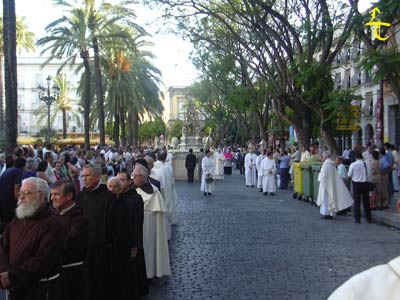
(239, 244)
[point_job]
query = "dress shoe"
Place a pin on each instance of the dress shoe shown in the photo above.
(260, 190)
(209, 194)
(324, 217)
(205, 194)
(272, 194)
(266, 193)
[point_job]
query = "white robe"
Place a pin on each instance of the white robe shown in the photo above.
(258, 166)
(250, 169)
(155, 242)
(333, 194)
(219, 159)
(207, 165)
(378, 283)
(268, 171)
(163, 173)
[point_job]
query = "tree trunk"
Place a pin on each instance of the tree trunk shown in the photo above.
(2, 106)
(130, 129)
(64, 121)
(135, 128)
(302, 123)
(116, 129)
(122, 124)
(329, 138)
(10, 66)
(99, 91)
(86, 114)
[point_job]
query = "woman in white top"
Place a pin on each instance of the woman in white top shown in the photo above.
(207, 165)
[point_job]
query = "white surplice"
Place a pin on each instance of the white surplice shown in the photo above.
(164, 174)
(155, 242)
(268, 171)
(333, 194)
(250, 169)
(219, 159)
(380, 282)
(258, 166)
(207, 165)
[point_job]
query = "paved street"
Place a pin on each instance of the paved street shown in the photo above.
(239, 244)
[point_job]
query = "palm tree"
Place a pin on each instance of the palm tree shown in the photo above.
(10, 62)
(105, 24)
(24, 40)
(64, 104)
(132, 90)
(69, 37)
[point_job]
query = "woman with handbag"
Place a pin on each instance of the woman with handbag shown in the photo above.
(207, 182)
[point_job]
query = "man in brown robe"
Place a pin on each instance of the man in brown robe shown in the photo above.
(75, 243)
(31, 247)
(96, 201)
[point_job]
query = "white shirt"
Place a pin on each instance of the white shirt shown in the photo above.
(346, 154)
(305, 156)
(358, 171)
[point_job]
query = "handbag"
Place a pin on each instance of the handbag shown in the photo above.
(209, 178)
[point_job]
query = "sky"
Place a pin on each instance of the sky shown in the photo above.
(171, 51)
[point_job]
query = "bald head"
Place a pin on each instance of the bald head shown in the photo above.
(150, 161)
(114, 185)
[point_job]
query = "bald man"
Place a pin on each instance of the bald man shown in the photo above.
(123, 242)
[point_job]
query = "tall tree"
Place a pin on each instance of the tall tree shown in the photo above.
(25, 41)
(68, 37)
(274, 38)
(10, 67)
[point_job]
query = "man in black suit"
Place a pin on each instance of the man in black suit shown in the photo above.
(190, 165)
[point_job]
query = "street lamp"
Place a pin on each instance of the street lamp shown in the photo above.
(46, 97)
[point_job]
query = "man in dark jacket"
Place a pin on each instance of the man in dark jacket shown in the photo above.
(10, 181)
(76, 234)
(190, 165)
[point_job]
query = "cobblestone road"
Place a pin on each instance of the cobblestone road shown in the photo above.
(239, 244)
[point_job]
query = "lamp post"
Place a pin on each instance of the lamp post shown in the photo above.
(46, 97)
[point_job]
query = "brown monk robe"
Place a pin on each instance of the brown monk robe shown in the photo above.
(96, 202)
(76, 230)
(31, 247)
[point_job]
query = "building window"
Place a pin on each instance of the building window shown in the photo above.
(38, 80)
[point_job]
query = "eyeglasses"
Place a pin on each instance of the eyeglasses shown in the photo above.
(26, 193)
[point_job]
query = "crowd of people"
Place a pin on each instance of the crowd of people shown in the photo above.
(84, 225)
(369, 175)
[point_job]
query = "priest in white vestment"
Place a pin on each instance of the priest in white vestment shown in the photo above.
(250, 168)
(268, 172)
(207, 165)
(378, 283)
(163, 172)
(259, 159)
(333, 195)
(219, 159)
(155, 242)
